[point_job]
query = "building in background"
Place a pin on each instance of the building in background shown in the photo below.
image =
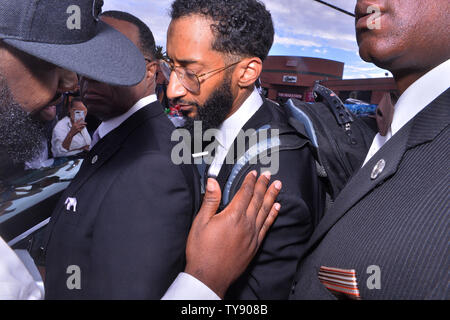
(285, 77)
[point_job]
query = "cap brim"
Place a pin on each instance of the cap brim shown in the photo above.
(109, 57)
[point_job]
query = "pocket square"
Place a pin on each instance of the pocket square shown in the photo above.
(71, 204)
(341, 283)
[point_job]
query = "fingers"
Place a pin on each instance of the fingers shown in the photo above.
(211, 200)
(270, 219)
(243, 197)
(258, 196)
(269, 199)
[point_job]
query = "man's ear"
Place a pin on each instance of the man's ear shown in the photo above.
(151, 68)
(68, 80)
(249, 70)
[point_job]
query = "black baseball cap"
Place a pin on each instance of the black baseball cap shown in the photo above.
(69, 34)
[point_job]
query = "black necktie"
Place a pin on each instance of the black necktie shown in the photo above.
(203, 168)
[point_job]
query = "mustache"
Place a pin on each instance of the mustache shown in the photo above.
(177, 101)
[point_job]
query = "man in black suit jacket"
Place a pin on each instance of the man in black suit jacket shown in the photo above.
(216, 49)
(132, 207)
(386, 236)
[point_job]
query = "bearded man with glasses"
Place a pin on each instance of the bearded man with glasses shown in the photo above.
(216, 49)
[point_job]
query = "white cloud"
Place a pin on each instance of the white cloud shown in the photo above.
(277, 7)
(312, 21)
(295, 41)
(323, 51)
(364, 70)
(361, 69)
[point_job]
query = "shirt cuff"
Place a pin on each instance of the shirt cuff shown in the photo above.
(186, 287)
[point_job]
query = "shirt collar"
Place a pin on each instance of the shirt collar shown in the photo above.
(111, 124)
(420, 94)
(229, 129)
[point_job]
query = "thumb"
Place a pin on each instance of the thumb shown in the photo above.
(211, 200)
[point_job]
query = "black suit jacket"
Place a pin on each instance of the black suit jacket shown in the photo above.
(271, 272)
(397, 221)
(134, 210)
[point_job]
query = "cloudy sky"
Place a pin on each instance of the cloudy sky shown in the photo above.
(302, 28)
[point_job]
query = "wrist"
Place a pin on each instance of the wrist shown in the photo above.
(213, 281)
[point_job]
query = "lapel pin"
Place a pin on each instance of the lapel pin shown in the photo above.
(94, 159)
(379, 167)
(71, 204)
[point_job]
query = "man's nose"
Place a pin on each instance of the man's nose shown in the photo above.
(68, 81)
(175, 89)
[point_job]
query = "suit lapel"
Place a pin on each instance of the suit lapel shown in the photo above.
(421, 129)
(111, 143)
(103, 150)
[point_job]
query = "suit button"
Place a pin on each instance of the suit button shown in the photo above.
(379, 167)
(94, 159)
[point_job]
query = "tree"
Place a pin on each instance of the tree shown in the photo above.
(159, 53)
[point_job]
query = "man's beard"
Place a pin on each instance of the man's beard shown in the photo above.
(20, 135)
(215, 110)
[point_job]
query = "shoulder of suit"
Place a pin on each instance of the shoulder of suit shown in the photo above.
(280, 120)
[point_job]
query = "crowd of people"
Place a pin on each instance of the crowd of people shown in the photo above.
(133, 224)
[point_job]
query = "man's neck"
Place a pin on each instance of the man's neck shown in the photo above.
(137, 99)
(242, 95)
(403, 82)
(108, 125)
(406, 77)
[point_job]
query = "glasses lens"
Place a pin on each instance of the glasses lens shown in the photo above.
(188, 79)
(166, 69)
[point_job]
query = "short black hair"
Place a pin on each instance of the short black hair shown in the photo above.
(75, 99)
(146, 39)
(241, 27)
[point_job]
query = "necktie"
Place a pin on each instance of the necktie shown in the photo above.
(384, 114)
(203, 168)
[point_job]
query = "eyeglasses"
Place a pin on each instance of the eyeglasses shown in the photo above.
(189, 79)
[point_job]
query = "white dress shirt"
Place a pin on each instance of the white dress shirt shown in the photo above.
(16, 282)
(60, 132)
(109, 125)
(229, 130)
(187, 287)
(419, 95)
